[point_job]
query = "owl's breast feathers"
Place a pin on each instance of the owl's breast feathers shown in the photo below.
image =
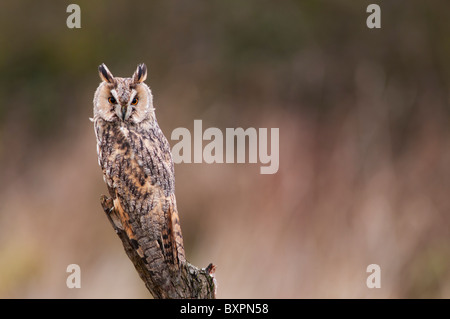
(138, 169)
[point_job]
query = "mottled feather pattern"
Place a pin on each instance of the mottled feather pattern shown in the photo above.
(138, 169)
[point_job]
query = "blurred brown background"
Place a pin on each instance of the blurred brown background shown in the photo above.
(363, 114)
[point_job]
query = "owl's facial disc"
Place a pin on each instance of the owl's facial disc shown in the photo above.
(123, 102)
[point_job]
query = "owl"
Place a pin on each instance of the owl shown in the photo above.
(138, 170)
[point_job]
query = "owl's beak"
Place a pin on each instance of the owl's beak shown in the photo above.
(124, 111)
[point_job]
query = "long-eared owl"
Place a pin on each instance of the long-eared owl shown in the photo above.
(137, 166)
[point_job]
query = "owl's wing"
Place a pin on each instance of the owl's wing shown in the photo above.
(171, 240)
(154, 233)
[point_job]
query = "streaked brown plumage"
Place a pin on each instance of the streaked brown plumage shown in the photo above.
(138, 169)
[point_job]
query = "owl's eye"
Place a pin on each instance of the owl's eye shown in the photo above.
(112, 100)
(135, 101)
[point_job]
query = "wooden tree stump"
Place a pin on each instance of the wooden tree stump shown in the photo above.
(190, 282)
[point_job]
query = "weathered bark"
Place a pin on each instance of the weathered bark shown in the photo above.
(188, 282)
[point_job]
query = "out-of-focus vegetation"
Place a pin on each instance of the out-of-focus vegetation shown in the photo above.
(364, 143)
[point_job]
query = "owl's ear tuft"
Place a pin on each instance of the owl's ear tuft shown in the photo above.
(105, 74)
(140, 74)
